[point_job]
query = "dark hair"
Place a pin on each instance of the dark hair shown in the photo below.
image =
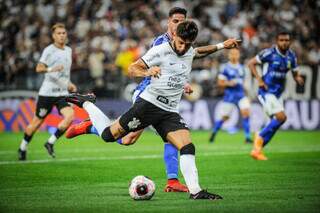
(187, 30)
(177, 10)
(283, 32)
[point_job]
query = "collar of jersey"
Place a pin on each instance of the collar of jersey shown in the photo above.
(278, 51)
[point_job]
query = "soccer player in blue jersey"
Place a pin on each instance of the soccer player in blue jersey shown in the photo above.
(176, 16)
(280, 60)
(231, 80)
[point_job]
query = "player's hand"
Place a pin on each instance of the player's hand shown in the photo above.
(231, 43)
(262, 84)
(154, 72)
(187, 89)
(72, 87)
(57, 68)
(232, 83)
(299, 80)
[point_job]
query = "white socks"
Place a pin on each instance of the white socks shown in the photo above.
(23, 145)
(52, 139)
(99, 120)
(190, 173)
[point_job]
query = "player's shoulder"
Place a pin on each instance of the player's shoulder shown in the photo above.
(267, 51)
(163, 38)
(49, 48)
(68, 49)
(291, 53)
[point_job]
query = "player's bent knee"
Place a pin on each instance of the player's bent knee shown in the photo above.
(107, 135)
(188, 149)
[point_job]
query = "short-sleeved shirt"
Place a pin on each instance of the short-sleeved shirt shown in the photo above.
(278, 66)
(233, 72)
(56, 83)
(146, 80)
(165, 92)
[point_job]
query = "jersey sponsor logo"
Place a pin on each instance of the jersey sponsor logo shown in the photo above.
(134, 123)
(163, 99)
(42, 112)
(153, 57)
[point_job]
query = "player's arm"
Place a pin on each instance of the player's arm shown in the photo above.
(72, 87)
(225, 83)
(140, 69)
(41, 67)
(203, 51)
(298, 78)
(252, 67)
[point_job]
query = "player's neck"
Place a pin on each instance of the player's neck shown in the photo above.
(169, 34)
(234, 62)
(57, 45)
(282, 52)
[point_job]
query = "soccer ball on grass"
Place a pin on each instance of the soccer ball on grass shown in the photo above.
(141, 188)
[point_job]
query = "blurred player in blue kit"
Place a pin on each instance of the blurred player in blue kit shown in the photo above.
(280, 60)
(231, 79)
(176, 16)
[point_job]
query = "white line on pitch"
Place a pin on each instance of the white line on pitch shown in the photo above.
(135, 157)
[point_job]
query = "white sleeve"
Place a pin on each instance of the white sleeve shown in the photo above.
(153, 56)
(44, 59)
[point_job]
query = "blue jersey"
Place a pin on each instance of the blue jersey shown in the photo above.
(278, 66)
(146, 81)
(233, 72)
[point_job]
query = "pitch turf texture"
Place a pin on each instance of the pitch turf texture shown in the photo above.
(89, 175)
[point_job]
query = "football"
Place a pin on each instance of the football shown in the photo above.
(141, 188)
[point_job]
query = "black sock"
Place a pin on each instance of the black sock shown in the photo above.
(27, 137)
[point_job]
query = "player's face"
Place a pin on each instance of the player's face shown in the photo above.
(181, 46)
(173, 22)
(234, 55)
(283, 42)
(60, 36)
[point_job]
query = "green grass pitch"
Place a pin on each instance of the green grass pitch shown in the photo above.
(89, 175)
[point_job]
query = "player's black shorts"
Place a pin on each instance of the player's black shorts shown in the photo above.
(144, 113)
(45, 105)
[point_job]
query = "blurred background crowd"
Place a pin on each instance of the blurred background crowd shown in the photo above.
(107, 35)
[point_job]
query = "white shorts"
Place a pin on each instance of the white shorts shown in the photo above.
(227, 107)
(271, 104)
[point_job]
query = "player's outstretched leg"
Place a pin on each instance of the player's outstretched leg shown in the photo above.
(170, 157)
(216, 128)
(68, 116)
(28, 134)
(246, 128)
(263, 138)
(85, 127)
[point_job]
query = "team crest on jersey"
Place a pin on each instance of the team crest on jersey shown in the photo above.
(289, 65)
(134, 123)
(42, 112)
(183, 122)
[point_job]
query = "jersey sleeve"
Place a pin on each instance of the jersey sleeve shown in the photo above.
(264, 56)
(44, 59)
(152, 57)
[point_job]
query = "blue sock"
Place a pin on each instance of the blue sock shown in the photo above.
(93, 130)
(217, 126)
(171, 160)
(119, 141)
(246, 127)
(268, 131)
